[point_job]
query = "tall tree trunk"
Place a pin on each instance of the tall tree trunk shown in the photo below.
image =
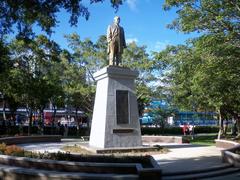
(30, 121)
(220, 124)
(4, 110)
(42, 120)
(77, 121)
(225, 126)
(238, 126)
(53, 115)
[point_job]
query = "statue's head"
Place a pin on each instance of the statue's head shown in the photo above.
(116, 20)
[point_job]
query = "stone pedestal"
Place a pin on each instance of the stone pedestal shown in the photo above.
(115, 120)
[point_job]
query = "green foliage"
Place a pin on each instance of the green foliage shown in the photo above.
(206, 129)
(136, 57)
(202, 139)
(203, 74)
(159, 131)
(93, 56)
(208, 16)
(160, 116)
(2, 148)
(177, 130)
(24, 14)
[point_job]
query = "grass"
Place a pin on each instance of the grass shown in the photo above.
(206, 139)
(79, 150)
(76, 149)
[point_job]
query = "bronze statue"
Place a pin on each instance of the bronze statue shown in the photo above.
(116, 42)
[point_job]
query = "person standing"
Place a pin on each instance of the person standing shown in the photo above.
(116, 42)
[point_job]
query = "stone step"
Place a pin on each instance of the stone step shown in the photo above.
(18, 173)
(203, 175)
(232, 176)
(197, 171)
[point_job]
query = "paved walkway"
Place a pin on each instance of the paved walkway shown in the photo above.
(189, 157)
(50, 147)
(182, 157)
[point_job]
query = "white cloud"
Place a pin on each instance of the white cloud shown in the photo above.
(132, 4)
(130, 40)
(161, 45)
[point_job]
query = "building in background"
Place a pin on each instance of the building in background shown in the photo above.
(180, 117)
(195, 118)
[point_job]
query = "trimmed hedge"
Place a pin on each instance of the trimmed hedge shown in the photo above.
(84, 131)
(177, 130)
(47, 130)
(160, 131)
(206, 129)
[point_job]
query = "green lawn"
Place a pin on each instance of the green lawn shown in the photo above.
(206, 139)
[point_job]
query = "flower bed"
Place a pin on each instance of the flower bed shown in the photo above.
(54, 164)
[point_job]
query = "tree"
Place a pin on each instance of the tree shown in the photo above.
(213, 70)
(5, 65)
(24, 14)
(101, 48)
(28, 81)
(136, 57)
(93, 56)
(160, 116)
(25, 74)
(209, 17)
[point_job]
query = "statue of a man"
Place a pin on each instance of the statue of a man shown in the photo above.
(116, 42)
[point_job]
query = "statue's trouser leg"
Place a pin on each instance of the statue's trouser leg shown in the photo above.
(117, 54)
(112, 53)
(111, 58)
(118, 59)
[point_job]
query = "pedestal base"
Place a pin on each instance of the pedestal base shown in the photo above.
(115, 120)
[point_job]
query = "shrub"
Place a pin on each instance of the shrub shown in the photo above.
(159, 131)
(14, 150)
(177, 130)
(2, 148)
(206, 129)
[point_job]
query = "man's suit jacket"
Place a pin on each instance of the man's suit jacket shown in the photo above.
(116, 32)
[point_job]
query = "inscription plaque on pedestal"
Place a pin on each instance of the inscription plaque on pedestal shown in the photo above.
(122, 107)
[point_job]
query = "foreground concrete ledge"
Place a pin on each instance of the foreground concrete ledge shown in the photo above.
(30, 139)
(104, 167)
(230, 156)
(162, 139)
(16, 173)
(225, 143)
(70, 166)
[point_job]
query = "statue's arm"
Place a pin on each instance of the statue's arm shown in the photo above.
(124, 41)
(109, 34)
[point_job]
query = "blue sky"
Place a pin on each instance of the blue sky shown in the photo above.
(144, 21)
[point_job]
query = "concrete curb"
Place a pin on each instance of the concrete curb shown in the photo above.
(12, 167)
(30, 139)
(230, 156)
(225, 143)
